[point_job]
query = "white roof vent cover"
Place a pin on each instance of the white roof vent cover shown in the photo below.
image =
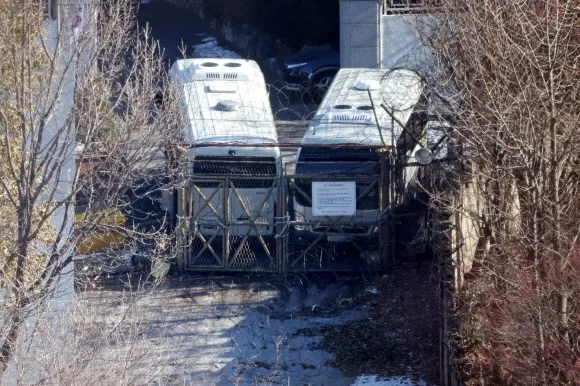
(215, 71)
(371, 85)
(221, 88)
(226, 105)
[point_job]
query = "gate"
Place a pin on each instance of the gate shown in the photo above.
(257, 223)
(229, 224)
(333, 243)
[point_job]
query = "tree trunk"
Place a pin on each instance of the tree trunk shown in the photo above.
(9, 343)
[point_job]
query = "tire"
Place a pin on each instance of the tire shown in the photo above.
(321, 83)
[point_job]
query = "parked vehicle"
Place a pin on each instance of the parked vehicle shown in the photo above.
(144, 207)
(310, 70)
(226, 104)
(343, 139)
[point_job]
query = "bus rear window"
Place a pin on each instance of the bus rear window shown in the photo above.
(341, 162)
(313, 154)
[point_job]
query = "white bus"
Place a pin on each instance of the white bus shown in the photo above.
(225, 101)
(345, 129)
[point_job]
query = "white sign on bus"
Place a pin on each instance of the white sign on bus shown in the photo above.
(333, 198)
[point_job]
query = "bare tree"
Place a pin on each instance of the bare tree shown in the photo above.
(511, 70)
(79, 120)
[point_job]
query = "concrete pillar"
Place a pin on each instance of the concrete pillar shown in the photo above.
(401, 47)
(360, 33)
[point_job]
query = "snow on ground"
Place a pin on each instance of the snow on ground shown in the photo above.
(211, 49)
(373, 380)
(263, 330)
(230, 330)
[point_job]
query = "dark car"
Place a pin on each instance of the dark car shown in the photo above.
(310, 70)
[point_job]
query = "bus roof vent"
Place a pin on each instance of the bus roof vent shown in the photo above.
(219, 71)
(212, 75)
(348, 117)
(226, 105)
(220, 75)
(222, 88)
(364, 85)
(230, 75)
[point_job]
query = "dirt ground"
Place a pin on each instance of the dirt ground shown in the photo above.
(400, 335)
(295, 330)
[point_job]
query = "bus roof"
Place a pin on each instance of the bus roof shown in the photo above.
(345, 116)
(225, 100)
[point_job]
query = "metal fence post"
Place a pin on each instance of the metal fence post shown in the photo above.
(181, 245)
(282, 239)
(182, 242)
(385, 220)
(226, 218)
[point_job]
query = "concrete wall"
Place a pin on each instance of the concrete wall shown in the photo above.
(372, 40)
(400, 45)
(360, 33)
